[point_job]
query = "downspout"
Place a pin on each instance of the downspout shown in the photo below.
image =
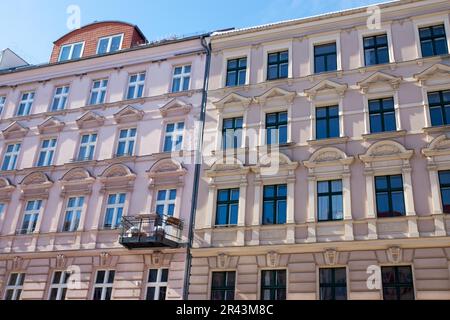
(198, 166)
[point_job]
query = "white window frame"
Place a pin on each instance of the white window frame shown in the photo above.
(183, 76)
(127, 140)
(101, 91)
(63, 98)
(16, 287)
(174, 136)
(77, 212)
(105, 285)
(71, 45)
(363, 33)
(115, 206)
(427, 22)
(320, 40)
(236, 54)
(34, 213)
(136, 85)
(167, 202)
(12, 154)
(274, 48)
(158, 284)
(2, 104)
(59, 286)
(49, 151)
(108, 49)
(88, 145)
(28, 102)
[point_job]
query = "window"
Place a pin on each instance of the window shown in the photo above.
(60, 98)
(114, 210)
(2, 209)
(173, 140)
(25, 104)
(181, 78)
(87, 147)
(109, 44)
(333, 284)
(103, 284)
(276, 127)
(390, 198)
(223, 286)
(47, 153)
(73, 214)
(274, 211)
(273, 285)
(2, 103)
(444, 181)
(278, 65)
(10, 157)
(13, 290)
(439, 103)
(232, 133)
(136, 86)
(58, 288)
(329, 200)
(325, 58)
(98, 92)
(433, 41)
(327, 122)
(236, 72)
(71, 51)
(376, 50)
(157, 284)
(382, 115)
(165, 203)
(31, 216)
(227, 207)
(127, 139)
(397, 283)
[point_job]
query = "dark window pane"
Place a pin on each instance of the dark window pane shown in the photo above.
(100, 277)
(153, 276)
(150, 293)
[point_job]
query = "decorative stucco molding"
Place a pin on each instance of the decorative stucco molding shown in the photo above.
(15, 131)
(274, 164)
(386, 150)
(330, 156)
(51, 125)
(165, 172)
(326, 87)
(36, 184)
(379, 78)
(394, 255)
(77, 181)
(175, 107)
(90, 119)
(331, 257)
(440, 146)
(436, 74)
(233, 100)
(6, 190)
(223, 261)
(276, 94)
(129, 114)
(117, 177)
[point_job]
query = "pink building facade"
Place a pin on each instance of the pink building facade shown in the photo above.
(88, 146)
(326, 159)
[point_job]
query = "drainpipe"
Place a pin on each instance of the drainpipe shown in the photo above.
(198, 167)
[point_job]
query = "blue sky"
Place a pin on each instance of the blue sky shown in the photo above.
(29, 27)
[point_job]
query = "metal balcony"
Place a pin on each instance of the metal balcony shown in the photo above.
(151, 231)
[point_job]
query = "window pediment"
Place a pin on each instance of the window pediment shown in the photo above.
(36, 184)
(15, 130)
(385, 151)
(129, 114)
(90, 119)
(175, 107)
(6, 190)
(77, 181)
(275, 164)
(440, 146)
(51, 125)
(276, 94)
(117, 177)
(326, 87)
(379, 81)
(435, 75)
(167, 171)
(328, 157)
(233, 167)
(232, 100)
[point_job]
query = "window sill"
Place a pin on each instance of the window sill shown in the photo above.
(437, 129)
(329, 141)
(384, 135)
(220, 153)
(163, 155)
(286, 145)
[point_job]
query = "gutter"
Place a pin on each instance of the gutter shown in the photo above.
(198, 166)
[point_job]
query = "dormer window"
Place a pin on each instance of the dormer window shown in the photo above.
(71, 51)
(110, 44)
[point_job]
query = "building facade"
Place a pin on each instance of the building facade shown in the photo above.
(327, 159)
(95, 164)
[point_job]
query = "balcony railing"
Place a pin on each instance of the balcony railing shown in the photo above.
(151, 231)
